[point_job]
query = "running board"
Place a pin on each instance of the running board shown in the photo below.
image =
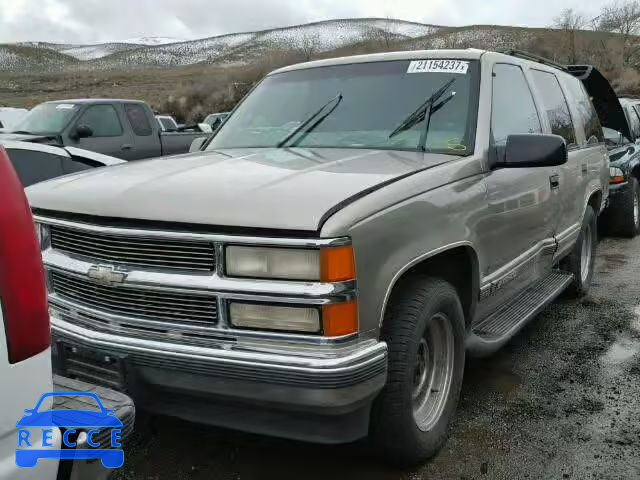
(492, 333)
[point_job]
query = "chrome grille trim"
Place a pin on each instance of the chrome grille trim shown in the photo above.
(189, 307)
(135, 250)
(219, 333)
(180, 235)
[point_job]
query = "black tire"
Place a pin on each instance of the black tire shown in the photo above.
(414, 305)
(573, 263)
(621, 218)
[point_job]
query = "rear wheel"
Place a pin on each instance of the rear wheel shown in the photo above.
(424, 329)
(624, 215)
(582, 258)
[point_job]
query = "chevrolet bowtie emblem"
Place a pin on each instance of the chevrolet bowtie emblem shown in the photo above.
(107, 275)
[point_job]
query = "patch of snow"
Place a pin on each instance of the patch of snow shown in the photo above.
(150, 41)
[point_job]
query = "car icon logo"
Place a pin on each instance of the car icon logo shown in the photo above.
(95, 423)
(107, 275)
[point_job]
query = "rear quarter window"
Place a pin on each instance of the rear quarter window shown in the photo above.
(555, 106)
(585, 113)
(33, 167)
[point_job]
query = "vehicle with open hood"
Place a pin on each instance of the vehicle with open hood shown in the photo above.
(622, 215)
(321, 267)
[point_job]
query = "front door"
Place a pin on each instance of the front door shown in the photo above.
(518, 231)
(109, 137)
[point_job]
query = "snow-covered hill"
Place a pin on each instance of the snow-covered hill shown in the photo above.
(166, 51)
(242, 48)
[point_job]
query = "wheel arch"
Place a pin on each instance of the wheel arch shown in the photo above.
(595, 201)
(457, 264)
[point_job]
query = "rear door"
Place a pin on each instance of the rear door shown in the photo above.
(109, 135)
(146, 135)
(572, 176)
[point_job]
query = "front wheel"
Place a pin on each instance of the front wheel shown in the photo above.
(424, 329)
(581, 261)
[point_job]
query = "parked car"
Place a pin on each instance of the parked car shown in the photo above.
(125, 129)
(167, 123)
(24, 325)
(25, 346)
(321, 269)
(10, 116)
(36, 162)
(215, 120)
(623, 213)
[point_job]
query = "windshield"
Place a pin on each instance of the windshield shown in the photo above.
(375, 99)
(47, 118)
(613, 138)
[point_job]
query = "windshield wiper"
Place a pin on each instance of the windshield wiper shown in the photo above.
(22, 132)
(304, 124)
(423, 112)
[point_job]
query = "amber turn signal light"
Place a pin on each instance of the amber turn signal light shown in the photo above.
(340, 319)
(337, 264)
(616, 180)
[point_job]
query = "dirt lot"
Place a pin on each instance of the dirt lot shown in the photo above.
(561, 401)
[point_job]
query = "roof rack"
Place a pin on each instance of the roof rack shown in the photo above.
(534, 58)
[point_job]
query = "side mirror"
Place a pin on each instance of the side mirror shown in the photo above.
(533, 150)
(82, 131)
(197, 143)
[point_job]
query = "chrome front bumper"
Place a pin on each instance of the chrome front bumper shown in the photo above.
(288, 377)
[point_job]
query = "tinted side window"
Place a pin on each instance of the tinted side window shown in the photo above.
(555, 105)
(138, 119)
(513, 108)
(33, 167)
(103, 120)
(73, 165)
(587, 117)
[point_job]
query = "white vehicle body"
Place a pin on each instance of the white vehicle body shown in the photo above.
(25, 353)
(10, 116)
(37, 162)
(67, 152)
(18, 395)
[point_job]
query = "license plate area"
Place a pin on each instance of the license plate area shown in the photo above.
(98, 368)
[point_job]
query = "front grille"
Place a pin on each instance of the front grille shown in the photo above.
(175, 307)
(157, 253)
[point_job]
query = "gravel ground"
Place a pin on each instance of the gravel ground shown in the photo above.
(562, 400)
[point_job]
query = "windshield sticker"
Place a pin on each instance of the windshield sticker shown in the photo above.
(438, 66)
(65, 106)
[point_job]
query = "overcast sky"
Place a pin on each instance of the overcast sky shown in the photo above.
(93, 21)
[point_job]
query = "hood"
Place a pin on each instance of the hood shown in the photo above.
(288, 189)
(21, 137)
(619, 157)
(604, 98)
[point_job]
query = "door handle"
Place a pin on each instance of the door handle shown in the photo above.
(127, 147)
(554, 181)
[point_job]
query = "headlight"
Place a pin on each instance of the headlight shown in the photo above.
(280, 263)
(42, 232)
(274, 317)
(616, 175)
(330, 264)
